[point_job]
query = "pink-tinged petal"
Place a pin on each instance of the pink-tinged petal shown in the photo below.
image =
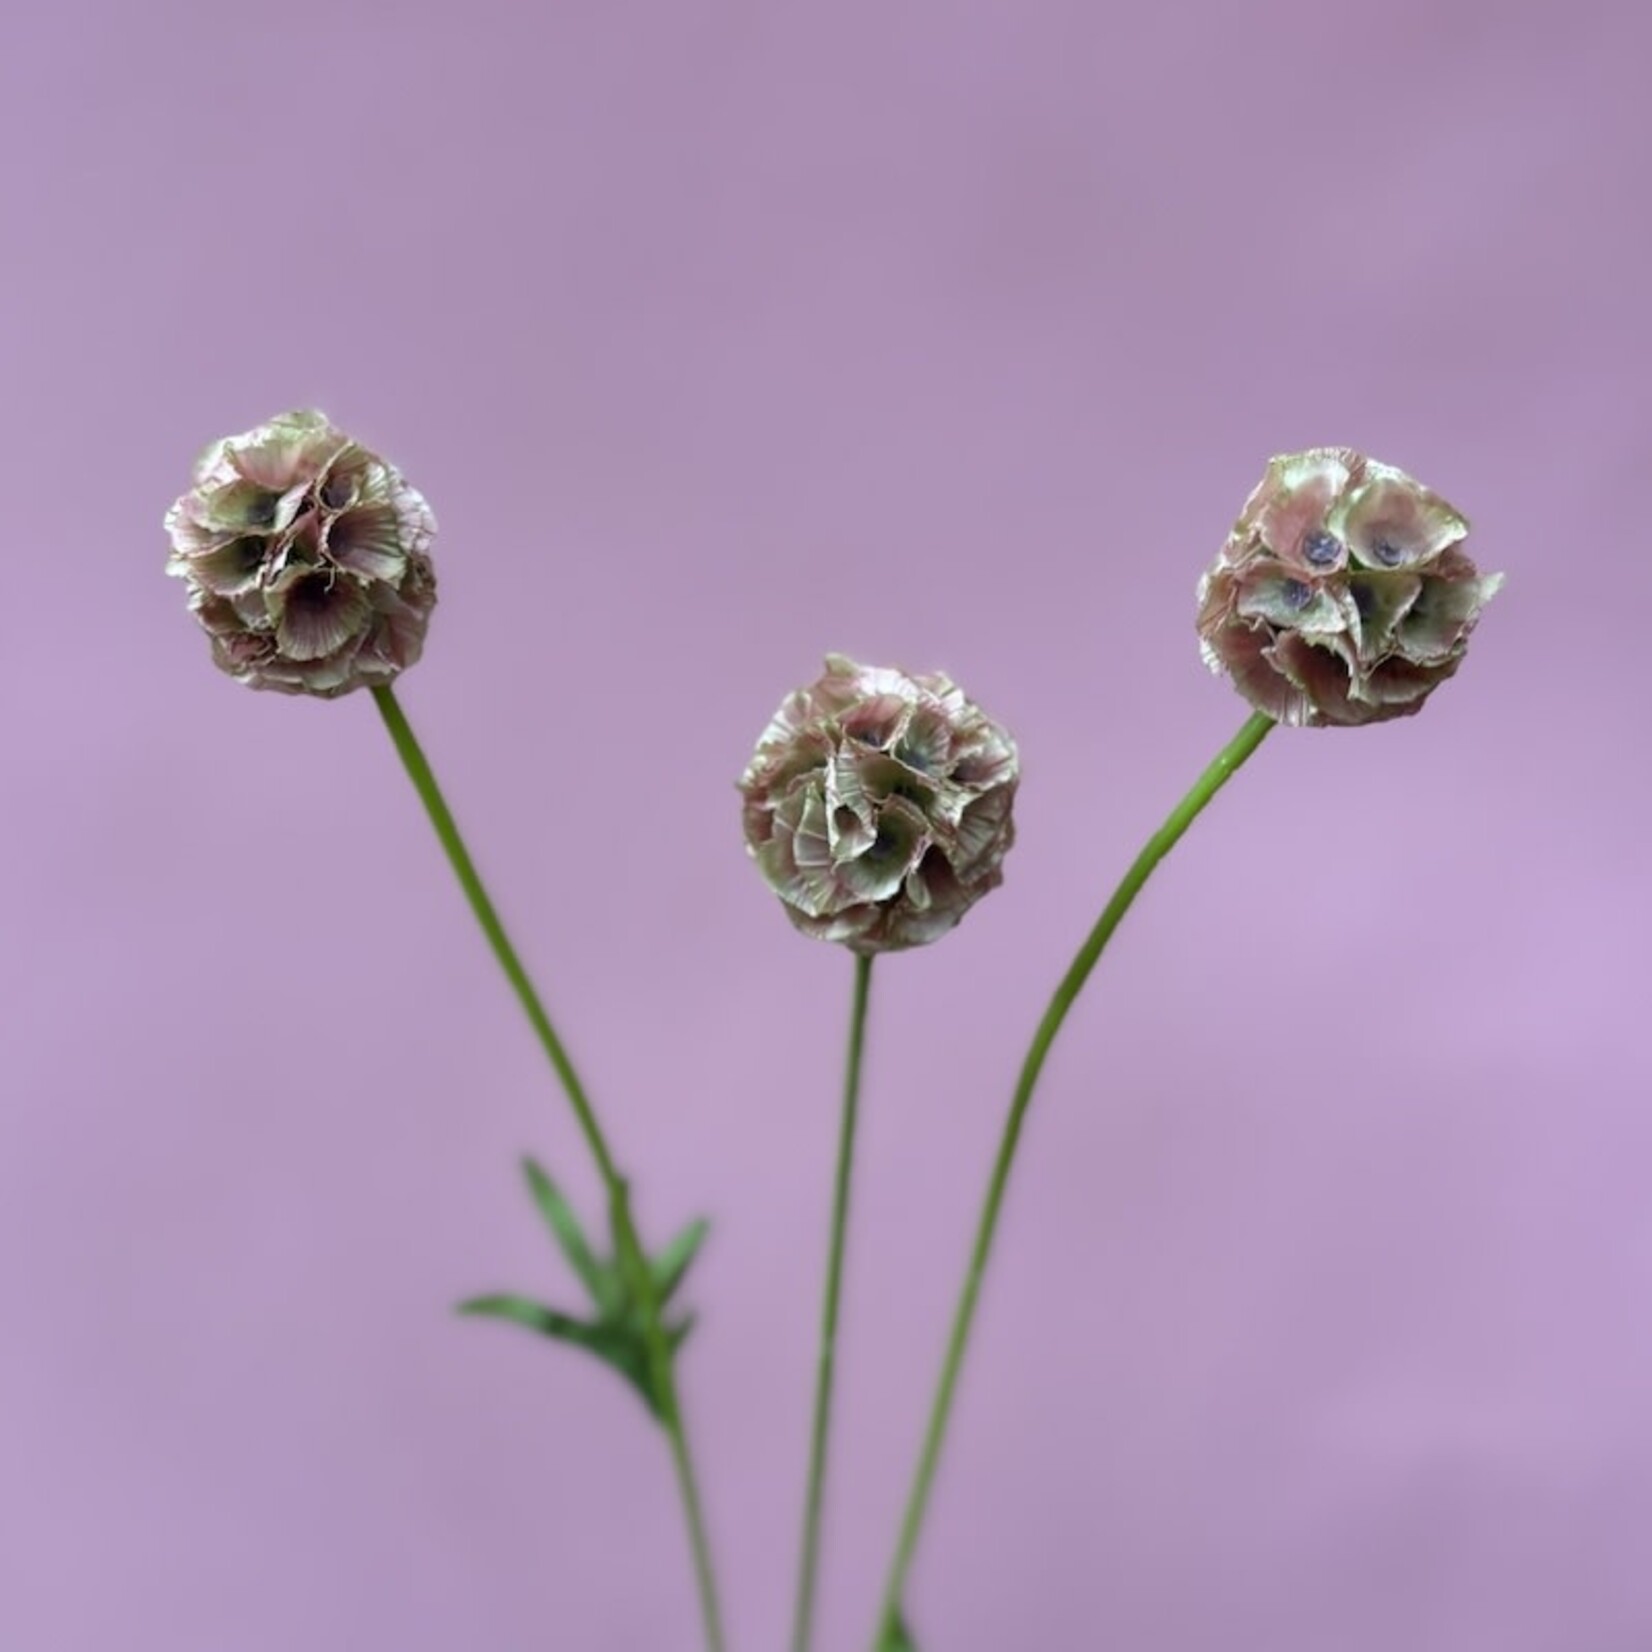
(319, 614)
(1280, 596)
(189, 536)
(802, 818)
(1397, 688)
(985, 830)
(243, 655)
(876, 721)
(878, 872)
(1218, 598)
(850, 834)
(354, 476)
(294, 555)
(401, 617)
(337, 673)
(1244, 653)
(1381, 601)
(784, 755)
(1291, 521)
(1390, 521)
(1445, 612)
(988, 760)
(242, 506)
(1321, 677)
(795, 861)
(288, 453)
(367, 541)
(413, 513)
(233, 567)
(926, 742)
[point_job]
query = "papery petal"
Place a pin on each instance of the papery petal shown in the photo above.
(319, 614)
(876, 720)
(1382, 601)
(1291, 520)
(1391, 521)
(288, 453)
(1321, 678)
(1244, 653)
(231, 567)
(926, 741)
(1443, 615)
(242, 506)
(1278, 595)
(881, 868)
(367, 541)
(985, 830)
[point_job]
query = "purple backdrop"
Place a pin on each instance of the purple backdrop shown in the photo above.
(720, 335)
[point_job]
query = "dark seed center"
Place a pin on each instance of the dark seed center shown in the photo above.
(1297, 595)
(1387, 552)
(884, 846)
(335, 492)
(261, 510)
(312, 595)
(1321, 548)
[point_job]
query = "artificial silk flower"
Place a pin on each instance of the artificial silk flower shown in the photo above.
(306, 557)
(878, 805)
(1343, 594)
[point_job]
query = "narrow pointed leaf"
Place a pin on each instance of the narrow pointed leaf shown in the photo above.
(570, 1237)
(523, 1311)
(672, 1262)
(613, 1344)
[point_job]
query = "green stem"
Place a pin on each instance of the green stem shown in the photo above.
(663, 1366)
(814, 1496)
(631, 1252)
(1221, 770)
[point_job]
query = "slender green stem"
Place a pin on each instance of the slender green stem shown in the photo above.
(625, 1235)
(487, 917)
(1205, 788)
(663, 1366)
(814, 1496)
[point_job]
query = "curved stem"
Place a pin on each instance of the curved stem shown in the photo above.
(632, 1256)
(1220, 771)
(814, 1496)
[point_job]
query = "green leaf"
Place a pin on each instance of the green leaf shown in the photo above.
(523, 1311)
(570, 1237)
(897, 1637)
(672, 1263)
(615, 1345)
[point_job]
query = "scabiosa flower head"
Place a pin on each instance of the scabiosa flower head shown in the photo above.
(877, 806)
(306, 558)
(1343, 594)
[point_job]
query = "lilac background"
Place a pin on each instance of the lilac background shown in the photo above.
(718, 335)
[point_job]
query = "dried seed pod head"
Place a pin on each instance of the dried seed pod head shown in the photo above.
(878, 806)
(1343, 594)
(306, 557)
